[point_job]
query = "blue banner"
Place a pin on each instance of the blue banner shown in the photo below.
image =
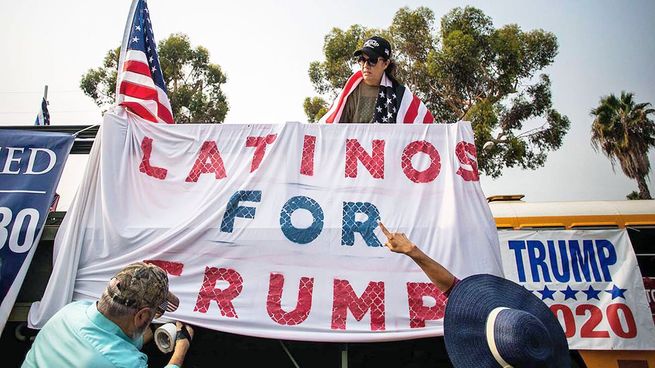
(31, 164)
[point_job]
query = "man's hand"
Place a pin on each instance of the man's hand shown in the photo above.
(181, 344)
(397, 242)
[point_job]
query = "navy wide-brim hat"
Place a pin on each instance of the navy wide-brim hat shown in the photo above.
(522, 330)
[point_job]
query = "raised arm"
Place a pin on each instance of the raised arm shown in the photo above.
(438, 274)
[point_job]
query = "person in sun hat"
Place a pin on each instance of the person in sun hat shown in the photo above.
(110, 332)
(490, 321)
(373, 95)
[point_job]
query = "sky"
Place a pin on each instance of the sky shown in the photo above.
(265, 48)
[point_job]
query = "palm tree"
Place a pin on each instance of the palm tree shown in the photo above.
(624, 132)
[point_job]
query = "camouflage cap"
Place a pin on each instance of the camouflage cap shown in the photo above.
(142, 285)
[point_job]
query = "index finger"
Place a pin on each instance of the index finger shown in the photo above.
(385, 231)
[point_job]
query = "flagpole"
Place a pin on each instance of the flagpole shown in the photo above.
(45, 93)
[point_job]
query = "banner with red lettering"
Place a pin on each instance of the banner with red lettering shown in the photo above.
(271, 229)
(591, 281)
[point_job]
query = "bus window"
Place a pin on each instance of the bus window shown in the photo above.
(594, 227)
(643, 242)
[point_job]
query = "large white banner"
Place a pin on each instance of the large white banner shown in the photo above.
(591, 281)
(270, 230)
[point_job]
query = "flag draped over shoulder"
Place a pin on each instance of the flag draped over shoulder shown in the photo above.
(43, 117)
(140, 85)
(394, 104)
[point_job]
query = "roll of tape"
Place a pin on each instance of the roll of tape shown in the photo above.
(165, 337)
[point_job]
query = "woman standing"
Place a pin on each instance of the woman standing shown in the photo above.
(380, 98)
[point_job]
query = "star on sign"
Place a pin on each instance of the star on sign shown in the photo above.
(592, 293)
(135, 39)
(616, 292)
(151, 59)
(394, 96)
(388, 101)
(379, 109)
(153, 69)
(381, 94)
(546, 293)
(389, 114)
(569, 293)
(137, 28)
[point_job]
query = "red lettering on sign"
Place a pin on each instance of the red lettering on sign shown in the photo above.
(260, 144)
(615, 322)
(428, 174)
(307, 164)
(223, 297)
(567, 317)
(374, 163)
(345, 299)
(145, 166)
(171, 268)
(274, 301)
(209, 161)
(595, 317)
(467, 155)
(418, 311)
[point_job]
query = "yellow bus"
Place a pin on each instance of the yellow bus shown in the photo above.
(638, 217)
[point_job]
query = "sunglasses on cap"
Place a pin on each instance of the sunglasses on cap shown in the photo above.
(362, 59)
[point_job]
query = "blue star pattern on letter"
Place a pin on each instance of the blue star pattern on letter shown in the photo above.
(592, 293)
(569, 293)
(616, 292)
(546, 293)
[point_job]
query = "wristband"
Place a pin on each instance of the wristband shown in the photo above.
(183, 334)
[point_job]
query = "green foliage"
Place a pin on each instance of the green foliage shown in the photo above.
(193, 83)
(623, 131)
(315, 108)
(100, 83)
(469, 70)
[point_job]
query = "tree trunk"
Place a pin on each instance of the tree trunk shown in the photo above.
(644, 193)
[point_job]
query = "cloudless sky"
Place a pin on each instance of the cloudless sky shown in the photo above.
(265, 48)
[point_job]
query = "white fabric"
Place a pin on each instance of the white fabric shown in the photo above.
(595, 319)
(121, 215)
(491, 341)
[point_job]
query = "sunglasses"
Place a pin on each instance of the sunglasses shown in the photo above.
(361, 60)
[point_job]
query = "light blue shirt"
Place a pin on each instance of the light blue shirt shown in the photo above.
(80, 336)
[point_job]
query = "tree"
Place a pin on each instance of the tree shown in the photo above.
(315, 108)
(193, 83)
(623, 131)
(469, 70)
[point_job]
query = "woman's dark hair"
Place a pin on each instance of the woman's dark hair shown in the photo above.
(391, 71)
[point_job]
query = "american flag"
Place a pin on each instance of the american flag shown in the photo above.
(140, 86)
(43, 117)
(395, 104)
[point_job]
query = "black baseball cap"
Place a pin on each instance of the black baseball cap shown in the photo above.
(375, 47)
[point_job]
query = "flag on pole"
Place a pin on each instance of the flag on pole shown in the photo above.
(140, 85)
(43, 117)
